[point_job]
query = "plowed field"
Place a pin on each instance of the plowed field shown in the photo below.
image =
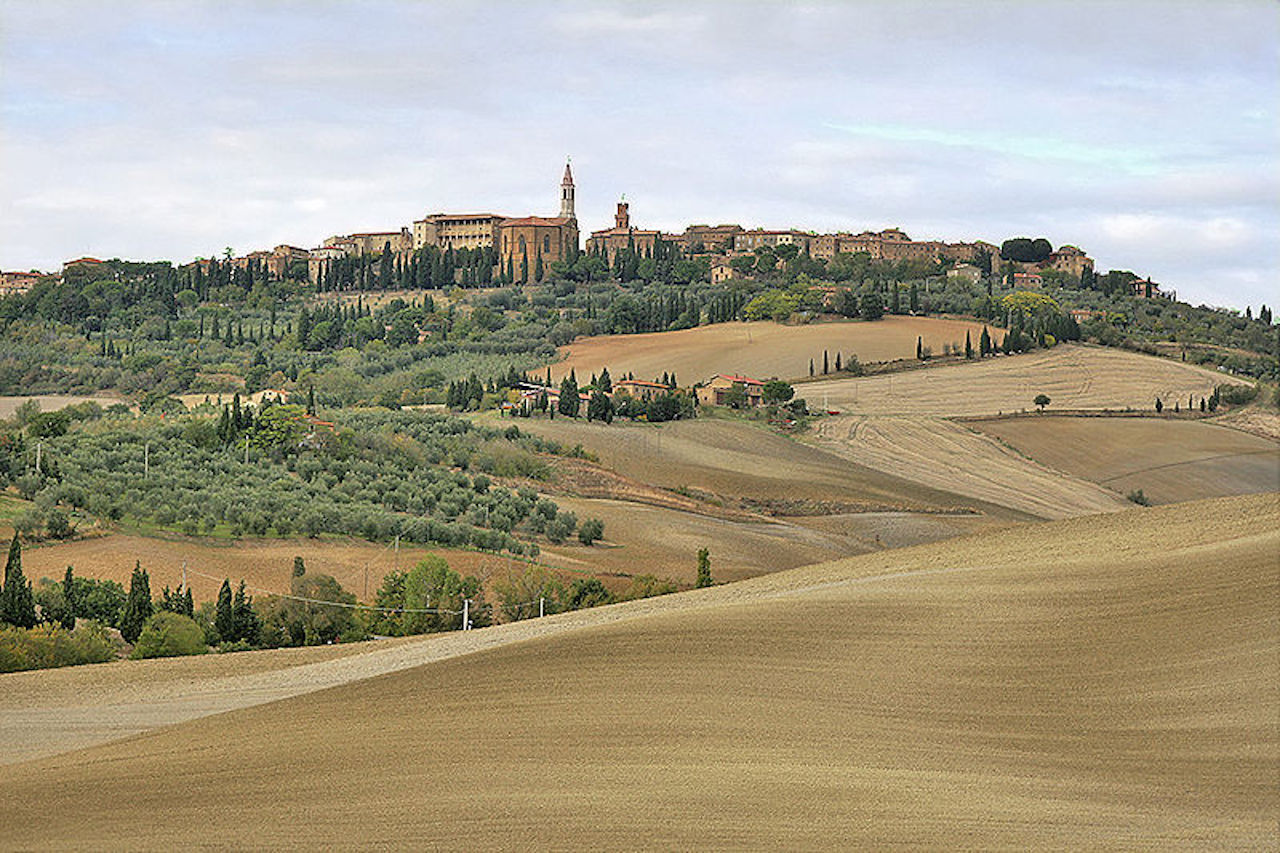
(1169, 460)
(1099, 682)
(1071, 375)
(943, 454)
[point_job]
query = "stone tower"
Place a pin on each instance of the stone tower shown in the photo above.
(622, 219)
(566, 194)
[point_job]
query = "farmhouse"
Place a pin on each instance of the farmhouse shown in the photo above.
(640, 389)
(714, 392)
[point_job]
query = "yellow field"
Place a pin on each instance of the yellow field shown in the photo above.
(53, 402)
(1169, 460)
(1098, 682)
(760, 350)
(1072, 375)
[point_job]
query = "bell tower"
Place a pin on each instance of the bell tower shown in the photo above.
(566, 194)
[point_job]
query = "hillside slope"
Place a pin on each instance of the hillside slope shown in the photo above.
(1110, 680)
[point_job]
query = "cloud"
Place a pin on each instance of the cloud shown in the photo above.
(154, 129)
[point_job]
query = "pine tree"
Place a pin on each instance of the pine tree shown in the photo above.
(224, 618)
(72, 605)
(17, 605)
(137, 607)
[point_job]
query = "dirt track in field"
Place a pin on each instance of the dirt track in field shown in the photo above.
(1106, 681)
(760, 350)
(1073, 376)
(1170, 460)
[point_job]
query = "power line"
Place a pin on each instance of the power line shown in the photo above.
(435, 611)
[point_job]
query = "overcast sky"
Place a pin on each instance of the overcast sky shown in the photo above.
(1145, 133)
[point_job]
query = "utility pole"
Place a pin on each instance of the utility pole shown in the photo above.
(146, 461)
(39, 447)
(542, 610)
(396, 559)
(184, 575)
(466, 614)
(246, 450)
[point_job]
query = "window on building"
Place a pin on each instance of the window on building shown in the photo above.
(546, 242)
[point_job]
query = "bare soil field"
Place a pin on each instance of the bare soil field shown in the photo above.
(649, 540)
(1169, 460)
(943, 454)
(1074, 376)
(733, 459)
(761, 350)
(53, 402)
(1097, 682)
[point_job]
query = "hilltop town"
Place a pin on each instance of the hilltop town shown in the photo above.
(524, 248)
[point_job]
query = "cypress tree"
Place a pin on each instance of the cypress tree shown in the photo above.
(69, 596)
(704, 568)
(984, 343)
(245, 618)
(920, 347)
(17, 605)
(968, 345)
(825, 366)
(224, 618)
(299, 567)
(137, 607)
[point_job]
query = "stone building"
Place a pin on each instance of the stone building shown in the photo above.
(456, 230)
(708, 239)
(622, 235)
(530, 238)
(749, 241)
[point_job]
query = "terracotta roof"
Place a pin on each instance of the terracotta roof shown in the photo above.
(640, 382)
(535, 220)
(623, 232)
(82, 261)
(743, 379)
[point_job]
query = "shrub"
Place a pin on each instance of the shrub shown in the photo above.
(169, 635)
(45, 646)
(590, 531)
(1237, 395)
(1139, 498)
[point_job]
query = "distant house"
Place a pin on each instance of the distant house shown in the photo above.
(721, 271)
(18, 282)
(81, 262)
(1145, 288)
(966, 272)
(713, 393)
(1081, 315)
(640, 389)
(1026, 280)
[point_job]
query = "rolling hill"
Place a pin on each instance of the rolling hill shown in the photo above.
(1102, 681)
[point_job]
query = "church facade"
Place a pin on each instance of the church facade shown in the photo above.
(521, 243)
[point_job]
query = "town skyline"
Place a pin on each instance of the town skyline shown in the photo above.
(1148, 141)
